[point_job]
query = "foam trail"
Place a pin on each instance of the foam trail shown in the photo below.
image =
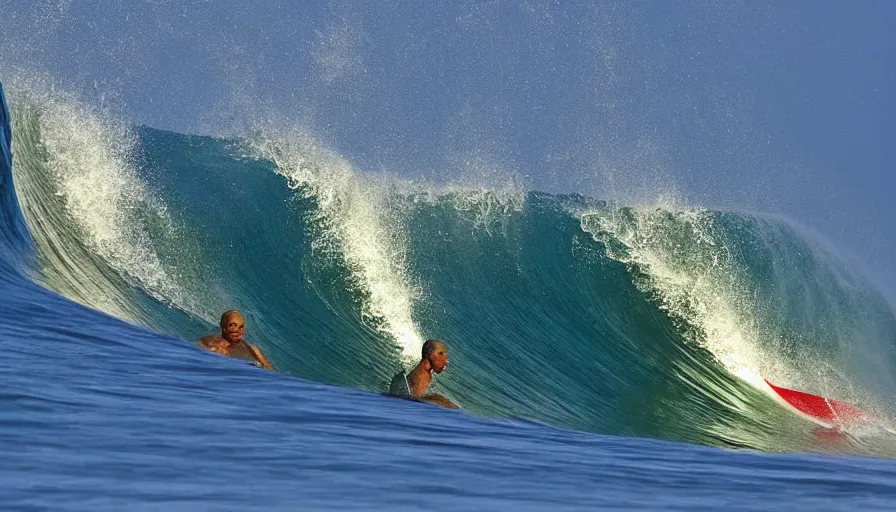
(359, 224)
(85, 159)
(738, 300)
(692, 273)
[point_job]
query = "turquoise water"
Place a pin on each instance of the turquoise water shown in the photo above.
(598, 349)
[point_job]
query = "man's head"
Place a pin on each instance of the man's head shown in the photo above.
(232, 326)
(435, 355)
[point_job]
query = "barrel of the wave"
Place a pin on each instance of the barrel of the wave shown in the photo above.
(14, 239)
(827, 411)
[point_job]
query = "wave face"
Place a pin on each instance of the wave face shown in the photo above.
(651, 321)
(14, 241)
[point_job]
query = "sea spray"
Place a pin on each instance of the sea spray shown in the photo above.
(77, 171)
(356, 223)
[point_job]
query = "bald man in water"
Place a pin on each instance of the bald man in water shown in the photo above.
(414, 383)
(230, 341)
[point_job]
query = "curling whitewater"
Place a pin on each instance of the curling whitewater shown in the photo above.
(558, 309)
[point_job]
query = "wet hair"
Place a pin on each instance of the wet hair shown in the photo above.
(226, 314)
(431, 346)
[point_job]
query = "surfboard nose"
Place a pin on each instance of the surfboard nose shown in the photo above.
(828, 410)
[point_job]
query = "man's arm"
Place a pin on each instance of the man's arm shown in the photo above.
(263, 361)
(435, 398)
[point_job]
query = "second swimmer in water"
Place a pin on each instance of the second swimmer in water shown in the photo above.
(414, 383)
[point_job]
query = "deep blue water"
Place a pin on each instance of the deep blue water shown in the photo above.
(605, 356)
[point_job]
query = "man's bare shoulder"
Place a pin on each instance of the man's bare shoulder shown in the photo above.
(207, 341)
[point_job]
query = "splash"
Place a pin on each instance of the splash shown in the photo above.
(75, 166)
(681, 258)
(763, 299)
(359, 224)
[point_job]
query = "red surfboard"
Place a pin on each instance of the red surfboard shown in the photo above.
(828, 410)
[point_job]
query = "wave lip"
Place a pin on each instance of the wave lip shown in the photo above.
(356, 222)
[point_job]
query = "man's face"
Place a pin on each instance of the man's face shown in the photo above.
(439, 359)
(233, 328)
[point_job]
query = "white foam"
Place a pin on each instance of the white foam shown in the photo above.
(693, 277)
(359, 222)
(365, 217)
(88, 156)
(690, 270)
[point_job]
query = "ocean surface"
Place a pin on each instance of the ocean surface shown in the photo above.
(605, 356)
